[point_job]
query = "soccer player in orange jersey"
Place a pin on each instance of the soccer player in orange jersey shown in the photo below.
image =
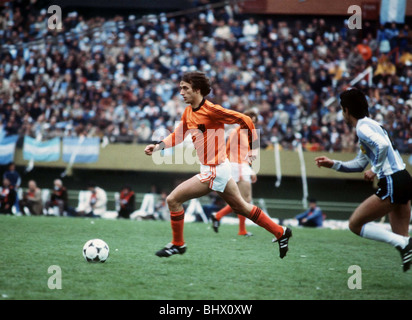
(205, 121)
(237, 150)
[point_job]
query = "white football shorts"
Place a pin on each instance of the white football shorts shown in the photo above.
(217, 176)
(241, 171)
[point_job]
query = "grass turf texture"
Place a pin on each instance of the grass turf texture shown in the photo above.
(220, 266)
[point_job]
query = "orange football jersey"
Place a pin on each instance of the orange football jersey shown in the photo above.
(206, 125)
(237, 146)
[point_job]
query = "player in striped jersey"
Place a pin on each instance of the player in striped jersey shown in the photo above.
(395, 184)
(205, 122)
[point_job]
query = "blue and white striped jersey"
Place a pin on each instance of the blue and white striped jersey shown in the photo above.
(375, 148)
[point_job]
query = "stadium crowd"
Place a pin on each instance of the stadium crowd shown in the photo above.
(118, 77)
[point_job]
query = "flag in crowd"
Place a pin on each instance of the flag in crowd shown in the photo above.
(41, 151)
(7, 148)
(393, 11)
(81, 149)
(75, 149)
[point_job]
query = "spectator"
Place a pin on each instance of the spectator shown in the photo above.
(13, 176)
(313, 217)
(143, 132)
(7, 197)
(355, 60)
(82, 77)
(288, 139)
(250, 29)
(222, 31)
(124, 135)
(161, 208)
(384, 70)
(59, 198)
(365, 50)
(94, 203)
(405, 59)
(127, 202)
(32, 200)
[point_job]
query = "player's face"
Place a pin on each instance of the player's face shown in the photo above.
(345, 113)
(187, 92)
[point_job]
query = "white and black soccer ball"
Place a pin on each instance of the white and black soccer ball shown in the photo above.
(96, 250)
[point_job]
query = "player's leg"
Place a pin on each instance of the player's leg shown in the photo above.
(187, 190)
(245, 189)
(400, 215)
(374, 208)
(361, 223)
(399, 219)
(371, 209)
(216, 217)
(222, 212)
(233, 197)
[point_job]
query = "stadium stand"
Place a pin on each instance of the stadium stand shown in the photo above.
(116, 77)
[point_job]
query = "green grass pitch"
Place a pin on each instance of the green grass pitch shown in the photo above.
(220, 266)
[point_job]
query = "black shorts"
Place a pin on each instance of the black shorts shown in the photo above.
(397, 186)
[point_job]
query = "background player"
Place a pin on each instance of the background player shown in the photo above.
(236, 151)
(395, 184)
(205, 122)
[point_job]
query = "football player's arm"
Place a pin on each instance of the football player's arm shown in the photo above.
(231, 117)
(356, 165)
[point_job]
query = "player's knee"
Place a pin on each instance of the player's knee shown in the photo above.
(248, 198)
(171, 201)
(354, 226)
(241, 208)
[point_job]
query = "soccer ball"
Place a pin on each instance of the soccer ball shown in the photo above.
(96, 250)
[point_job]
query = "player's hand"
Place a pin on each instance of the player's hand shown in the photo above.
(324, 162)
(251, 155)
(149, 149)
(369, 175)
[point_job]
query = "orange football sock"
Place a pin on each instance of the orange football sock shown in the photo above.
(177, 222)
(264, 221)
(242, 225)
(223, 212)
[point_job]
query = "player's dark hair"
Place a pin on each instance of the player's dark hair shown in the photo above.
(199, 81)
(355, 101)
(91, 184)
(251, 113)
